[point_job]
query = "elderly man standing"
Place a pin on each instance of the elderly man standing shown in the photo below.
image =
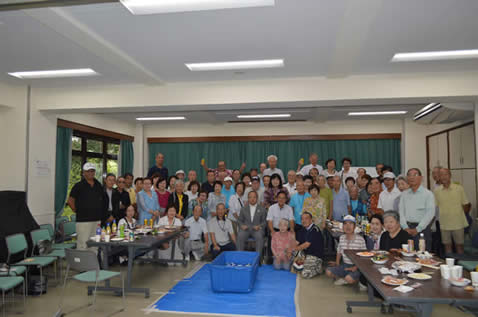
(159, 167)
(297, 202)
(453, 203)
(180, 200)
(252, 223)
(417, 209)
(272, 160)
(291, 175)
(255, 186)
(221, 168)
(87, 200)
(192, 176)
(387, 197)
(314, 163)
(347, 170)
(341, 206)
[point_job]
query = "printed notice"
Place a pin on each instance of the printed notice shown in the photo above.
(42, 168)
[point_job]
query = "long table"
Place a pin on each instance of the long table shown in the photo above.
(421, 300)
(145, 243)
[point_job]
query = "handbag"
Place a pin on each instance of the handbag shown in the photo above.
(298, 262)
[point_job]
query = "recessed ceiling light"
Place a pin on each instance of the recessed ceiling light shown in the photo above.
(376, 113)
(139, 7)
(266, 63)
(434, 56)
(160, 118)
(80, 72)
(253, 116)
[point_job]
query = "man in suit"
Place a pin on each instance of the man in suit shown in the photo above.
(252, 222)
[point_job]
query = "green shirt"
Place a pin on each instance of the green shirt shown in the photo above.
(326, 194)
(417, 207)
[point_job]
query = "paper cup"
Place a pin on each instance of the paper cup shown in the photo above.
(450, 262)
(97, 238)
(405, 247)
(456, 272)
(107, 238)
(474, 279)
(445, 271)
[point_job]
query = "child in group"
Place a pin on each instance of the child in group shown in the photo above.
(283, 243)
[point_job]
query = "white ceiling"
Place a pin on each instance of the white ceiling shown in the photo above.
(331, 38)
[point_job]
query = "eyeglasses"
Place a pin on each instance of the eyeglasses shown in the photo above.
(412, 175)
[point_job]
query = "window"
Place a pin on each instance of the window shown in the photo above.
(99, 150)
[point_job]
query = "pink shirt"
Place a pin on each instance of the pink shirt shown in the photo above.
(281, 242)
(163, 199)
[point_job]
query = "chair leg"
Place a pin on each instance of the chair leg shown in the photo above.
(64, 288)
(124, 298)
(94, 295)
(3, 302)
(41, 280)
(24, 296)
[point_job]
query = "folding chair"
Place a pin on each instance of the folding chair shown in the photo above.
(59, 246)
(86, 262)
(69, 230)
(9, 283)
(42, 234)
(17, 243)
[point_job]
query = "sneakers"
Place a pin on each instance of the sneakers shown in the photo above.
(362, 288)
(187, 258)
(196, 256)
(340, 282)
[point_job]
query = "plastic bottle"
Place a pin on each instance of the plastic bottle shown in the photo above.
(114, 227)
(108, 229)
(121, 230)
(421, 243)
(103, 233)
(98, 233)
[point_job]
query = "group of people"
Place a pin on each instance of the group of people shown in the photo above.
(289, 211)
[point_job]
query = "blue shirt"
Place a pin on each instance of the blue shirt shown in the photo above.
(228, 194)
(297, 202)
(146, 203)
(358, 208)
(341, 203)
(161, 170)
(417, 207)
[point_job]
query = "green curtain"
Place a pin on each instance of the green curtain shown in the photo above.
(127, 157)
(362, 152)
(62, 167)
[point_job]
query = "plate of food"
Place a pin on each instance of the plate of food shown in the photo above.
(405, 266)
(365, 254)
(459, 281)
(394, 281)
(419, 276)
(379, 259)
(381, 252)
(428, 262)
(408, 254)
(143, 230)
(116, 239)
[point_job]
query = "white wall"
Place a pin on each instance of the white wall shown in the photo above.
(41, 189)
(13, 118)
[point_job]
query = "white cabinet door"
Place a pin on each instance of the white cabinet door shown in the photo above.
(442, 149)
(432, 152)
(457, 176)
(468, 147)
(455, 148)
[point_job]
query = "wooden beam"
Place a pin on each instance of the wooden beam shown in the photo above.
(93, 130)
(277, 138)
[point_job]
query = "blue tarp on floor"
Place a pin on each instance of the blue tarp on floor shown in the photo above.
(273, 295)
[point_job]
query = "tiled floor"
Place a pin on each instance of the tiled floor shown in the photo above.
(317, 297)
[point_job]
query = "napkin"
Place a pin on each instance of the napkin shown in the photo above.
(384, 270)
(404, 289)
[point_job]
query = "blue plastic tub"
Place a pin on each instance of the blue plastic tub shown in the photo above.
(234, 271)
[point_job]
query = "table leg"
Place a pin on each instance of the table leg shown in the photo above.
(425, 309)
(130, 266)
(370, 303)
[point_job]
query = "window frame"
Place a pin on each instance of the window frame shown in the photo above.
(84, 154)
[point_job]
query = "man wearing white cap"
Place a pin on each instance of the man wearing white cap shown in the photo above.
(180, 175)
(228, 190)
(87, 200)
(272, 160)
(387, 197)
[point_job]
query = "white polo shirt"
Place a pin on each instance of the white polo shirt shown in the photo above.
(386, 200)
(276, 213)
(291, 189)
(196, 228)
(306, 169)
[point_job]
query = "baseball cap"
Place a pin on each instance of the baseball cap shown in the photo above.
(228, 178)
(89, 166)
(180, 172)
(255, 178)
(389, 175)
(349, 218)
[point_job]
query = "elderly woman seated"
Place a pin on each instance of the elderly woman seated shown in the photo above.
(311, 242)
(347, 272)
(395, 236)
(283, 244)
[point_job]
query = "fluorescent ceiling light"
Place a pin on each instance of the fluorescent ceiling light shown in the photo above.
(160, 118)
(434, 56)
(431, 107)
(266, 63)
(80, 72)
(138, 7)
(376, 113)
(255, 116)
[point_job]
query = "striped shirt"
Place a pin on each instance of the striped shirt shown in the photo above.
(357, 243)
